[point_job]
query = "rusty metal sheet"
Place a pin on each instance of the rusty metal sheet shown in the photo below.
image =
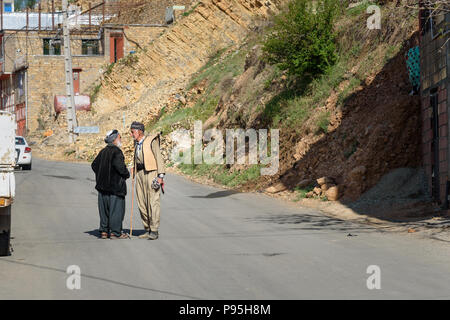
(82, 102)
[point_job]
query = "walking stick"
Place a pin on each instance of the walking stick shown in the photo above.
(132, 202)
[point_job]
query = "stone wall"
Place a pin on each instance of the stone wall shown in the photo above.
(46, 79)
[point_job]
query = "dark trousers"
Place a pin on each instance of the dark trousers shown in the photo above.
(112, 212)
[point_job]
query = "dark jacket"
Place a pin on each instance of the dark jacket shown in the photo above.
(111, 171)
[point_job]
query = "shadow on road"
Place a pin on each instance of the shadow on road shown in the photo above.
(218, 194)
(313, 222)
(96, 233)
(136, 232)
(103, 279)
(59, 177)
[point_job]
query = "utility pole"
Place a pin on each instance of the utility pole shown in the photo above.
(70, 101)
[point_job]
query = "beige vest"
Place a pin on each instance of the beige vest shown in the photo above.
(146, 155)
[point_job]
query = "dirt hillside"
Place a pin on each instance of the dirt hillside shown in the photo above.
(373, 130)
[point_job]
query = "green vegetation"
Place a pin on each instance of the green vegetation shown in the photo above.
(286, 106)
(220, 173)
(301, 192)
(202, 110)
(216, 68)
(302, 40)
(391, 51)
(109, 69)
(359, 9)
(187, 13)
(355, 50)
(129, 60)
(216, 72)
(292, 107)
(70, 152)
(95, 92)
(323, 121)
(276, 74)
(23, 4)
(344, 94)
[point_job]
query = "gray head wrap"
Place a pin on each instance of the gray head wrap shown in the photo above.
(111, 136)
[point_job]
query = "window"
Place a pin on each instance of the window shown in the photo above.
(20, 141)
(90, 47)
(20, 87)
(1, 48)
(425, 20)
(52, 47)
(7, 7)
(434, 21)
(439, 25)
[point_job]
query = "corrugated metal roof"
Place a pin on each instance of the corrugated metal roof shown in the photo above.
(18, 20)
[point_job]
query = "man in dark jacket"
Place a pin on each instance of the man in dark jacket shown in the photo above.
(110, 175)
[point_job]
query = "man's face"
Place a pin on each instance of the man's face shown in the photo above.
(118, 141)
(136, 134)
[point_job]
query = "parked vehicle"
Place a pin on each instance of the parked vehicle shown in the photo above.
(23, 153)
(7, 180)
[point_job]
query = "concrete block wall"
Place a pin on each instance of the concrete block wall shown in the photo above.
(434, 64)
(46, 79)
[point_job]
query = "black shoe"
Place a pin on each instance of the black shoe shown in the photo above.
(144, 236)
(153, 235)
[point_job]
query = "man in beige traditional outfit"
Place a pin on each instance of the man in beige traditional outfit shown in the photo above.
(149, 172)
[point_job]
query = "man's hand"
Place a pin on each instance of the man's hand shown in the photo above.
(132, 171)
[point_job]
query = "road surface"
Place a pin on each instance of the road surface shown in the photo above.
(214, 244)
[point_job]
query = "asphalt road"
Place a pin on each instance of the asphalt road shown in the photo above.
(214, 244)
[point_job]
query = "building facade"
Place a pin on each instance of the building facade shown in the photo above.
(435, 98)
(32, 68)
(33, 71)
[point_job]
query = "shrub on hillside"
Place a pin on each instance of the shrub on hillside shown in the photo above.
(302, 40)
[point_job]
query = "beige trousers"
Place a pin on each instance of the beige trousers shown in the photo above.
(148, 199)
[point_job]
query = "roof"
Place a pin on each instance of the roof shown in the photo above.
(18, 20)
